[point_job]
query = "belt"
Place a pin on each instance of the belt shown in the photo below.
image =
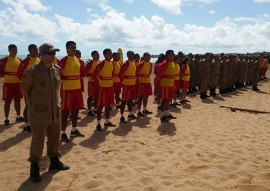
(10, 73)
(71, 77)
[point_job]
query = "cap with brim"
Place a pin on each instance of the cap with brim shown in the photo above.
(47, 47)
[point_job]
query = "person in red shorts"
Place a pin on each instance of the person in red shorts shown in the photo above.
(166, 73)
(104, 73)
(177, 83)
(144, 71)
(185, 73)
(92, 84)
(128, 76)
(11, 86)
(71, 72)
(78, 54)
(116, 80)
(31, 60)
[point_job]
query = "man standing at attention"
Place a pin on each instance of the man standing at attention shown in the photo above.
(40, 87)
(166, 73)
(144, 70)
(11, 88)
(72, 100)
(103, 73)
(31, 60)
(128, 74)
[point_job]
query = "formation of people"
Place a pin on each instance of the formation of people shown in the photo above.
(53, 89)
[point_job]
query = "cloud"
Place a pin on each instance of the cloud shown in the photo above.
(172, 6)
(261, 1)
(207, 1)
(129, 1)
(212, 12)
(33, 5)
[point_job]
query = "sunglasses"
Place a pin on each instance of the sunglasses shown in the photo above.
(50, 53)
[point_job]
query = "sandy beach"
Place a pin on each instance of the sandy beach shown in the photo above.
(207, 147)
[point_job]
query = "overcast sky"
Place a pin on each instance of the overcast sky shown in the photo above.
(196, 26)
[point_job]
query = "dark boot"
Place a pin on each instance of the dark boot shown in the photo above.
(34, 173)
(203, 95)
(255, 88)
(56, 164)
(213, 92)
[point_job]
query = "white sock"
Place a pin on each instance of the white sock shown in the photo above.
(74, 129)
(18, 116)
(26, 124)
(98, 122)
(107, 120)
(130, 113)
(122, 115)
(63, 132)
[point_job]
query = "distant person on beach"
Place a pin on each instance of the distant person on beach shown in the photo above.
(116, 79)
(31, 60)
(40, 87)
(144, 71)
(104, 98)
(11, 87)
(78, 54)
(166, 73)
(128, 76)
(204, 75)
(92, 84)
(160, 59)
(72, 71)
(214, 75)
(177, 81)
(185, 80)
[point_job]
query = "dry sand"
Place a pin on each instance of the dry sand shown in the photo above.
(206, 148)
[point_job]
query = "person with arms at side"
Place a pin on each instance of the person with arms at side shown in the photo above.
(166, 73)
(103, 73)
(185, 78)
(31, 60)
(128, 77)
(92, 84)
(40, 87)
(116, 80)
(72, 100)
(11, 85)
(144, 71)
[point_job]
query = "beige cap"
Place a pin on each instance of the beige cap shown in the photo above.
(47, 47)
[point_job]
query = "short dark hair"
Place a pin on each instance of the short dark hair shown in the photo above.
(146, 54)
(31, 46)
(169, 52)
(94, 52)
(70, 43)
(11, 46)
(114, 54)
(130, 52)
(105, 51)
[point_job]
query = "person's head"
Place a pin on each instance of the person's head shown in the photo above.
(186, 60)
(107, 53)
(95, 55)
(78, 54)
(33, 50)
(71, 48)
(115, 56)
(161, 58)
(146, 56)
(130, 55)
(47, 53)
(170, 55)
(137, 57)
(12, 49)
(177, 59)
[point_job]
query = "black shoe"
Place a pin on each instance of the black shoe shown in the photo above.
(182, 102)
(34, 173)
(159, 107)
(98, 128)
(64, 138)
(27, 129)
(146, 112)
(131, 116)
(76, 133)
(118, 106)
(123, 120)
(139, 114)
(19, 119)
(91, 113)
(6, 122)
(164, 119)
(173, 105)
(255, 88)
(185, 100)
(170, 117)
(56, 164)
(109, 124)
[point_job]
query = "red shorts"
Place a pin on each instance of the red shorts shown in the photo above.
(145, 90)
(167, 93)
(128, 93)
(104, 96)
(92, 89)
(117, 87)
(177, 85)
(263, 71)
(185, 84)
(72, 99)
(137, 85)
(12, 91)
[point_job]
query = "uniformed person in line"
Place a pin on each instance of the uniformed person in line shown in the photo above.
(223, 74)
(214, 74)
(204, 75)
(256, 73)
(40, 87)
